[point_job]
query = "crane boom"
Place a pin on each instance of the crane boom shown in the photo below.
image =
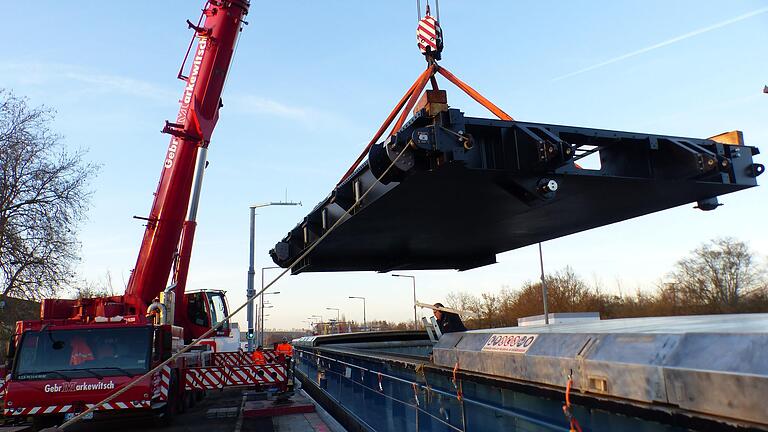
(191, 131)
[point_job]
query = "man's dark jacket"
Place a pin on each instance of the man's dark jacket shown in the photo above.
(450, 323)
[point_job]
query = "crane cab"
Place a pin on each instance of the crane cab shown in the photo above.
(205, 309)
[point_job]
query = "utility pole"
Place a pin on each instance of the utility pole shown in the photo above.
(250, 292)
(338, 318)
(260, 323)
(365, 323)
(413, 279)
(544, 287)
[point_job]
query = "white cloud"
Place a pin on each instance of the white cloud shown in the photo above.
(44, 74)
(310, 117)
(81, 80)
(665, 43)
(261, 105)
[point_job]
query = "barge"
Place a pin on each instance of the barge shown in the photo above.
(700, 373)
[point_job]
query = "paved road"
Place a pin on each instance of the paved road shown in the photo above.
(196, 419)
(219, 412)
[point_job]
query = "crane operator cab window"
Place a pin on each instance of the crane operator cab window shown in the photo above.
(219, 311)
(197, 309)
(82, 353)
(207, 309)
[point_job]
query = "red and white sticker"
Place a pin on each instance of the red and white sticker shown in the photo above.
(3, 382)
(511, 343)
(63, 409)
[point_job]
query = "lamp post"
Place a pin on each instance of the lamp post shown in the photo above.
(264, 305)
(319, 322)
(311, 324)
(413, 279)
(338, 315)
(365, 323)
(251, 292)
(544, 287)
(263, 318)
(260, 339)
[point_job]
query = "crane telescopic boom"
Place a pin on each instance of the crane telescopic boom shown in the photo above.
(191, 133)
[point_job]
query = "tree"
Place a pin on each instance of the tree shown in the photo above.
(43, 197)
(719, 275)
(101, 287)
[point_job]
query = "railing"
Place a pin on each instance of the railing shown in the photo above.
(381, 401)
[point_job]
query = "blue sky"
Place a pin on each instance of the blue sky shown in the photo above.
(311, 81)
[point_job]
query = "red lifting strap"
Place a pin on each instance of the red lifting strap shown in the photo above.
(412, 96)
(473, 94)
(423, 80)
(386, 124)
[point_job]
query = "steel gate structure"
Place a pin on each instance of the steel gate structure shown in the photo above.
(668, 374)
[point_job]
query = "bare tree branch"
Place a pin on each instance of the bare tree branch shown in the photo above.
(43, 197)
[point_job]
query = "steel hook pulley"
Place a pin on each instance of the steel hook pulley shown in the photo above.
(429, 36)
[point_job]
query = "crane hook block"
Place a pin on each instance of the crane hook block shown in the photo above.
(429, 36)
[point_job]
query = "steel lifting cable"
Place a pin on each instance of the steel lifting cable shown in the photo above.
(432, 30)
(410, 96)
(226, 319)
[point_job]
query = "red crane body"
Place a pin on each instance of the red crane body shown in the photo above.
(83, 345)
(197, 117)
(169, 234)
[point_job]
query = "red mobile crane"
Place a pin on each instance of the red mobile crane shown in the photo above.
(80, 351)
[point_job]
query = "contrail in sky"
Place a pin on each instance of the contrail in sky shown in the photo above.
(666, 42)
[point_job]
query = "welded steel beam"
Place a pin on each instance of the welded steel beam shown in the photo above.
(466, 189)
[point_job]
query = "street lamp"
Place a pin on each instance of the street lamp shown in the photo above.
(338, 314)
(365, 323)
(251, 292)
(413, 279)
(259, 324)
(544, 295)
(264, 306)
(319, 322)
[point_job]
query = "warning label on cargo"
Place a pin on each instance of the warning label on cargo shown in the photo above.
(512, 343)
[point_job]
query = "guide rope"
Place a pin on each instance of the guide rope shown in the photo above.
(226, 319)
(433, 46)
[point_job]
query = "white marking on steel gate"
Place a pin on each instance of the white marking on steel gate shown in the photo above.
(217, 377)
